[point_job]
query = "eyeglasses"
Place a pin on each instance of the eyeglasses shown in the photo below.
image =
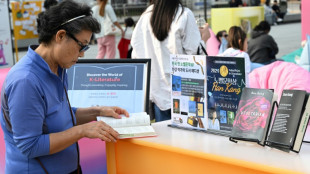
(83, 47)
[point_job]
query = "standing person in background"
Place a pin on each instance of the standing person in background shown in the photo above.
(262, 47)
(237, 47)
(49, 3)
(235, 3)
(106, 43)
(275, 7)
(166, 27)
(270, 15)
(40, 128)
(124, 43)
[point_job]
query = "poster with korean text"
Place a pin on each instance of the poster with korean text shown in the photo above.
(225, 81)
(188, 91)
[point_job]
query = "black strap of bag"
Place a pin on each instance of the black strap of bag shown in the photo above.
(8, 123)
(78, 171)
(203, 50)
(77, 145)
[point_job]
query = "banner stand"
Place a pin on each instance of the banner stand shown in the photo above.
(6, 50)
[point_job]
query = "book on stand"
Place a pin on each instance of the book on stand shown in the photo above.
(290, 122)
(136, 125)
(254, 114)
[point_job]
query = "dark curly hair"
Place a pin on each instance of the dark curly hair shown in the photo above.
(52, 20)
(129, 22)
(49, 3)
(262, 26)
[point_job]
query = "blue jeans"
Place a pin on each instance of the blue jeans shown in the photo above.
(161, 115)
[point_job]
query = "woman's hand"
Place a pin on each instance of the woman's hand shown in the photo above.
(100, 130)
(112, 111)
(205, 32)
(96, 129)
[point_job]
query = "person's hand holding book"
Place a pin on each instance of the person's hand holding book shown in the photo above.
(112, 111)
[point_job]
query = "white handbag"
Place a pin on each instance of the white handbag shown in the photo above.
(109, 28)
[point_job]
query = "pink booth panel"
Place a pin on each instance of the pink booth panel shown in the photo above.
(3, 73)
(305, 13)
(92, 151)
(93, 156)
(280, 75)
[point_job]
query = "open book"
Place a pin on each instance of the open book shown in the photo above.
(136, 125)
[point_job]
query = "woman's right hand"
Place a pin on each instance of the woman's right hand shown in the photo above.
(205, 32)
(100, 130)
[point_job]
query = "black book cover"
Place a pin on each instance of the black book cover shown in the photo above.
(287, 119)
(253, 115)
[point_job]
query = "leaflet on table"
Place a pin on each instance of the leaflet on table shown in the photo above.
(107, 85)
(188, 86)
(225, 81)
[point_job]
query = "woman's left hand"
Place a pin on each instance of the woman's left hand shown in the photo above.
(112, 111)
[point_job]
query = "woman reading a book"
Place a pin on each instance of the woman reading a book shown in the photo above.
(40, 127)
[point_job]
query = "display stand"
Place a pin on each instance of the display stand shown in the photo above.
(181, 151)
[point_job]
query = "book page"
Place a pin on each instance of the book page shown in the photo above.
(134, 130)
(134, 119)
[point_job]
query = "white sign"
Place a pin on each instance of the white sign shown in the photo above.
(188, 96)
(6, 51)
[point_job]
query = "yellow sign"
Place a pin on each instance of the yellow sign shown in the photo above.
(24, 16)
(245, 17)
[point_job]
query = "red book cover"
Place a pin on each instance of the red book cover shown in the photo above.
(253, 115)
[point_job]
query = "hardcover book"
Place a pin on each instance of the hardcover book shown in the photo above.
(136, 125)
(290, 121)
(302, 129)
(253, 115)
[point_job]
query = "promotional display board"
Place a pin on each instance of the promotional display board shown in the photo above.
(6, 52)
(107, 82)
(24, 15)
(122, 83)
(226, 79)
(205, 92)
(188, 91)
